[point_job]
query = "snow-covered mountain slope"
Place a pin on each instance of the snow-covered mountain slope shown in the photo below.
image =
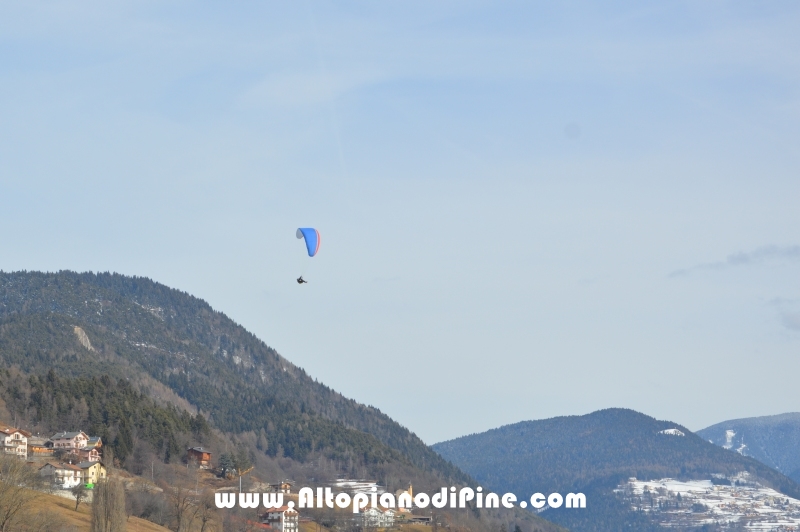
(720, 503)
(772, 440)
(592, 454)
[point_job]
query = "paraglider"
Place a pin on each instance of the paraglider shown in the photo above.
(312, 239)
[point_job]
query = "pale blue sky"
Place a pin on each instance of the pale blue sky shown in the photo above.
(527, 209)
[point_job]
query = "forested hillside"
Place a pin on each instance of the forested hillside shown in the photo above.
(135, 326)
(111, 409)
(153, 369)
(772, 440)
(593, 454)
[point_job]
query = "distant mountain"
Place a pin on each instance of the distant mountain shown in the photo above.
(593, 454)
(772, 440)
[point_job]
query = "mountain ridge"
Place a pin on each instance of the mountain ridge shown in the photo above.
(772, 440)
(593, 453)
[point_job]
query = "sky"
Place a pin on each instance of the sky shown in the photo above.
(527, 209)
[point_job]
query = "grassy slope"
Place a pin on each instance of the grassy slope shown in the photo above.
(65, 509)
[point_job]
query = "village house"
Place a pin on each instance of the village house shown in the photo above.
(39, 447)
(373, 517)
(281, 487)
(69, 441)
(92, 472)
(200, 455)
(91, 451)
(283, 519)
(64, 476)
(14, 441)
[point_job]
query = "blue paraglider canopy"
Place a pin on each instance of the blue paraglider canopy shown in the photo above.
(312, 239)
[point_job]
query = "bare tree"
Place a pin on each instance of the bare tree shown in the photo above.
(18, 482)
(108, 507)
(183, 503)
(80, 493)
(207, 512)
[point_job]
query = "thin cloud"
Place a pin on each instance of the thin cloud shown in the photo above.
(789, 312)
(762, 254)
(791, 320)
(305, 88)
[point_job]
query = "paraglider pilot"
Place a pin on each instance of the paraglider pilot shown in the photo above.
(312, 239)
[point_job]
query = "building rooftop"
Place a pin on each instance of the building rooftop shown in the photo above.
(11, 430)
(71, 467)
(67, 435)
(280, 510)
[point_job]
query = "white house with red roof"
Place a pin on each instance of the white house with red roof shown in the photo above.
(284, 519)
(14, 441)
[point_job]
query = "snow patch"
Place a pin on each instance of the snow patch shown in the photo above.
(729, 435)
(672, 432)
(358, 486)
(734, 502)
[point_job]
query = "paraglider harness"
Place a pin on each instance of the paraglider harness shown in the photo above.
(300, 280)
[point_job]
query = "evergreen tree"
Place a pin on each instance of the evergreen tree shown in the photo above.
(123, 443)
(227, 463)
